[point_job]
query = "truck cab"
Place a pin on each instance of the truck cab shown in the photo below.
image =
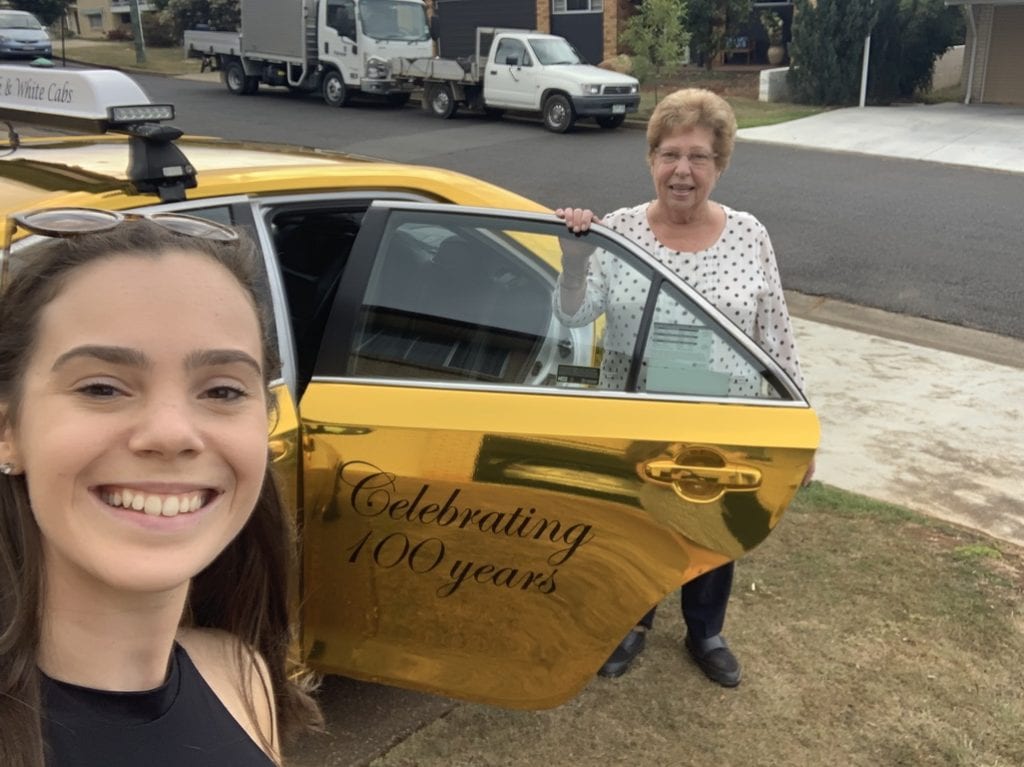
(360, 37)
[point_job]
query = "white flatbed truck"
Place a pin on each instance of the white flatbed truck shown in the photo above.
(522, 70)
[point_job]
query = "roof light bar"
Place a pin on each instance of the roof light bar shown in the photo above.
(146, 113)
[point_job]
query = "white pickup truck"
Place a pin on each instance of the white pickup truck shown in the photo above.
(522, 71)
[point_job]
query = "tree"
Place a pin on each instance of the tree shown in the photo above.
(47, 11)
(656, 37)
(710, 22)
(827, 48)
(905, 42)
(188, 14)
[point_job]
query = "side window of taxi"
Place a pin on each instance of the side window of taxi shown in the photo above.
(475, 299)
(313, 246)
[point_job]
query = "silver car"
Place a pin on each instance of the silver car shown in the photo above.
(21, 34)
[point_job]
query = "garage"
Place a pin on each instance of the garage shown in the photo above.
(994, 57)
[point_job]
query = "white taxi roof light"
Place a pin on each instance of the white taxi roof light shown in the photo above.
(103, 100)
(80, 99)
(145, 113)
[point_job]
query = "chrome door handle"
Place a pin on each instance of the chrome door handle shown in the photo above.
(702, 476)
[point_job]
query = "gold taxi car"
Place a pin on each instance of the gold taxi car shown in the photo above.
(479, 517)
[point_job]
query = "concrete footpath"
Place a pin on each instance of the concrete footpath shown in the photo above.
(923, 414)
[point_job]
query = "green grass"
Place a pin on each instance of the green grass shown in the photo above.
(870, 635)
(953, 94)
(750, 113)
(121, 55)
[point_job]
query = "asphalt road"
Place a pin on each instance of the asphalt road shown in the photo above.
(915, 238)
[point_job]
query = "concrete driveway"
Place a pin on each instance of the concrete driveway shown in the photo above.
(979, 135)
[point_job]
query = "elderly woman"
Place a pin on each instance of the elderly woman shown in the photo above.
(725, 255)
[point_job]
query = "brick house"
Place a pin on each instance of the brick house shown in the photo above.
(94, 18)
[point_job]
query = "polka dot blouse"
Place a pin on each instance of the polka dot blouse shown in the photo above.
(737, 274)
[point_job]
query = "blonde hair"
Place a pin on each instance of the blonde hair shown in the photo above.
(694, 107)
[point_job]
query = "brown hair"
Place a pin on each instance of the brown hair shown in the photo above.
(694, 107)
(244, 591)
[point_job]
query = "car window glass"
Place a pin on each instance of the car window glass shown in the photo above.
(511, 52)
(221, 214)
(312, 248)
(341, 16)
(686, 354)
(470, 299)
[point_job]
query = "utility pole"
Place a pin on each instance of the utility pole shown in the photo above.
(140, 44)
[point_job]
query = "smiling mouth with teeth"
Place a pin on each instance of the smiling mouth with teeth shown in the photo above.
(156, 504)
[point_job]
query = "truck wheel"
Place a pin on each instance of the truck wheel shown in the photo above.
(333, 89)
(558, 114)
(610, 121)
(235, 79)
(442, 101)
(252, 85)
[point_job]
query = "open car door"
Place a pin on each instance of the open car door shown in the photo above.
(486, 511)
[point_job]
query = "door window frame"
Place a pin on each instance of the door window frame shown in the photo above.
(343, 321)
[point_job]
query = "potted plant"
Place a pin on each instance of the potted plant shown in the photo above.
(772, 24)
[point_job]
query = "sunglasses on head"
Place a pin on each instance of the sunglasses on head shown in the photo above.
(74, 222)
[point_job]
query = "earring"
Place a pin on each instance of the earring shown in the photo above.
(6, 468)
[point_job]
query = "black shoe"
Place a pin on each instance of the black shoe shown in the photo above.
(624, 655)
(715, 659)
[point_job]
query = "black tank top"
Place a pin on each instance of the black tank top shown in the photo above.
(179, 724)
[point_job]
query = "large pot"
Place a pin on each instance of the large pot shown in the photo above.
(776, 53)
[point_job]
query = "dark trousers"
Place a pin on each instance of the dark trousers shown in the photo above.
(704, 601)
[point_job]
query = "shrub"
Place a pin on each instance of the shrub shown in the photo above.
(158, 31)
(119, 34)
(188, 14)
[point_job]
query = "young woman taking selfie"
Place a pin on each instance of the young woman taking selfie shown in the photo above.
(144, 555)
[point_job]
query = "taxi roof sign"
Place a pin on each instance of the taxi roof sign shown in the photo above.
(95, 100)
(102, 100)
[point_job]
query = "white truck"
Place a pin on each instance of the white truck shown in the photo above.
(335, 47)
(523, 71)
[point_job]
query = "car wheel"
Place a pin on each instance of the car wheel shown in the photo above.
(235, 79)
(610, 121)
(558, 114)
(442, 101)
(333, 89)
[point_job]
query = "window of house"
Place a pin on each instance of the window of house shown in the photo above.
(95, 20)
(577, 6)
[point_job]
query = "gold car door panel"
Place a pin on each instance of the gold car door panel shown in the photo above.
(485, 515)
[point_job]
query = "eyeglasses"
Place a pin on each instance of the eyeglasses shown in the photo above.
(694, 159)
(74, 222)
